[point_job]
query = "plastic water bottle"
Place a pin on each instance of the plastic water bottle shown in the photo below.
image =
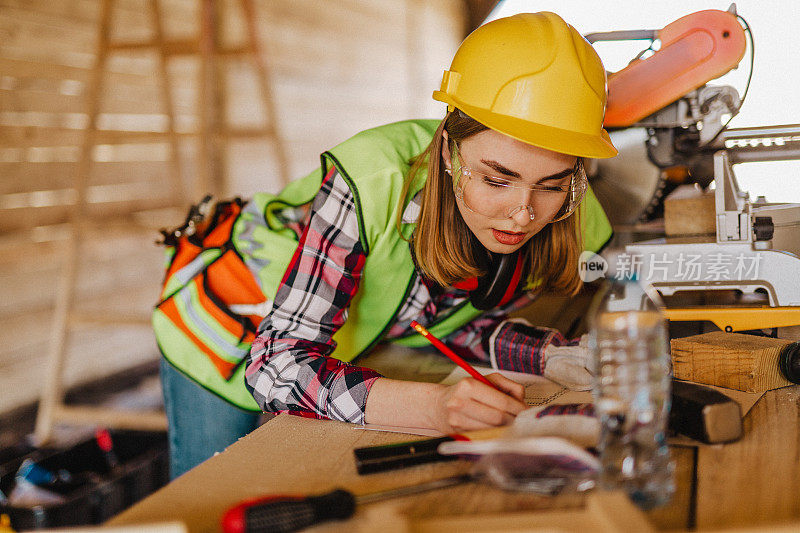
(628, 341)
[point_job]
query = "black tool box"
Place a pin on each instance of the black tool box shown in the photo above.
(98, 491)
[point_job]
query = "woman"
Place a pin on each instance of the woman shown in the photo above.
(492, 180)
(488, 216)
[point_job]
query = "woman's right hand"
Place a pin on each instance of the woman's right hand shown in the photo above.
(470, 404)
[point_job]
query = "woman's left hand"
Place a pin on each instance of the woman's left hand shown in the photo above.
(569, 365)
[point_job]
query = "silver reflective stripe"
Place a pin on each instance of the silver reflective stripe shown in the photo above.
(185, 274)
(262, 309)
(230, 349)
(246, 242)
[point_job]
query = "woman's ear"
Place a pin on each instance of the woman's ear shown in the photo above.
(448, 163)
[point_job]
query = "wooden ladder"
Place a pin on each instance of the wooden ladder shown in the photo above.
(212, 135)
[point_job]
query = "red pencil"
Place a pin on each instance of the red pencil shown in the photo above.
(451, 354)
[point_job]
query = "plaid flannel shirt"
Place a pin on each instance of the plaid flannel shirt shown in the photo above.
(289, 367)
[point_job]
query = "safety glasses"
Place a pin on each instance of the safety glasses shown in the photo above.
(501, 198)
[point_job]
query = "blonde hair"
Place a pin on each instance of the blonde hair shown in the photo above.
(442, 242)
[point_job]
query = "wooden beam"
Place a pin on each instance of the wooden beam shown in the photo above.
(754, 480)
(262, 66)
(31, 69)
(177, 47)
(733, 360)
(165, 89)
(210, 173)
(112, 418)
(108, 319)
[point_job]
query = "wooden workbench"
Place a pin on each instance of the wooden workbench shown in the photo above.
(753, 481)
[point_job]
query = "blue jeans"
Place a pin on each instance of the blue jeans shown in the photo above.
(200, 423)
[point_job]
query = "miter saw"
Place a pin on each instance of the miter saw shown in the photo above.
(670, 127)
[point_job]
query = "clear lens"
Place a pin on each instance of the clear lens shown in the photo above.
(499, 198)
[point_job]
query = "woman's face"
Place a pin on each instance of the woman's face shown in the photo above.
(494, 154)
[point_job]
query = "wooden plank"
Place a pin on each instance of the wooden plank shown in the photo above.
(616, 513)
(127, 198)
(332, 17)
(149, 104)
(172, 47)
(24, 16)
(134, 296)
(151, 174)
(39, 32)
(51, 70)
(19, 344)
(130, 20)
(155, 122)
(690, 212)
(19, 249)
(124, 78)
(18, 68)
(19, 100)
(27, 177)
(25, 218)
(755, 480)
(131, 24)
(112, 418)
(265, 77)
(139, 199)
(678, 513)
(112, 136)
(732, 360)
(26, 337)
(33, 289)
(22, 334)
(82, 12)
(168, 99)
(294, 95)
(318, 66)
(338, 126)
(28, 136)
(41, 85)
(46, 185)
(180, 19)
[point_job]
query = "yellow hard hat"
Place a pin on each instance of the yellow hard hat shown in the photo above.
(532, 77)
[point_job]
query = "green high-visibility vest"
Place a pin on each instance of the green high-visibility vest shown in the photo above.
(374, 163)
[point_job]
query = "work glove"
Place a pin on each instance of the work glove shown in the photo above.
(517, 345)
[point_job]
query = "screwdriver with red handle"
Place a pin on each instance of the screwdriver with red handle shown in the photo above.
(282, 514)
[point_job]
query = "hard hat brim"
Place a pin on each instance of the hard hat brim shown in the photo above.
(543, 136)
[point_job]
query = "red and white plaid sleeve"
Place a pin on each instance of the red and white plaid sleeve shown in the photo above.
(289, 367)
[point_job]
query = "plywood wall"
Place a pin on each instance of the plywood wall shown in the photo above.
(337, 67)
